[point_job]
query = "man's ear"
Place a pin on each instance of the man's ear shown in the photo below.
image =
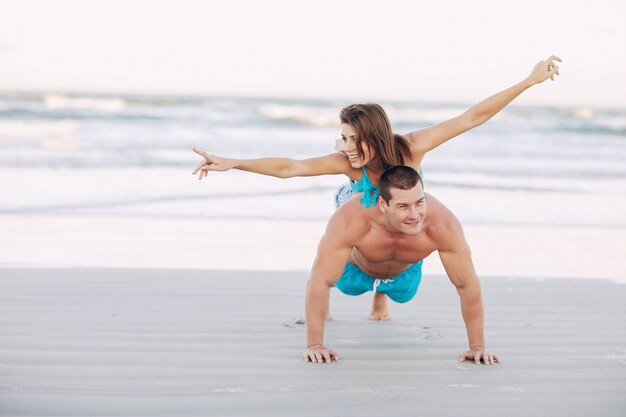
(382, 205)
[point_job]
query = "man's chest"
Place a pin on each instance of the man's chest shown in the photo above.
(409, 249)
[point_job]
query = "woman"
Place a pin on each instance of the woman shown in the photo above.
(369, 144)
(370, 147)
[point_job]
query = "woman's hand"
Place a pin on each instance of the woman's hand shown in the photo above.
(544, 70)
(211, 163)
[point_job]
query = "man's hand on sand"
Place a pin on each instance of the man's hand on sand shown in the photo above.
(319, 354)
(211, 163)
(479, 354)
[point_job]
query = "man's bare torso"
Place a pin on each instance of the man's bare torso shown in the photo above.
(382, 254)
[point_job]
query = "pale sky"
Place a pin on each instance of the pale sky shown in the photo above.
(362, 49)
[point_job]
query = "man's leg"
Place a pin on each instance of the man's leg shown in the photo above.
(380, 307)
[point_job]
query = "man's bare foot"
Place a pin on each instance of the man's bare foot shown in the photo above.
(380, 307)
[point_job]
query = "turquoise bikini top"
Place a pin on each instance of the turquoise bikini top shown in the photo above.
(369, 190)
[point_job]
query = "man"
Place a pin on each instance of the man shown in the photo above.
(381, 248)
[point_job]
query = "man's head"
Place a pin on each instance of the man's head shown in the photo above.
(402, 200)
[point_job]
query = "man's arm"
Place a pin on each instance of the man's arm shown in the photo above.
(457, 261)
(332, 254)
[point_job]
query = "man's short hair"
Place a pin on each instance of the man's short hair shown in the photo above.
(399, 176)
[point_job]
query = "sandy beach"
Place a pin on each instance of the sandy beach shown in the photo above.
(115, 316)
(130, 287)
(127, 342)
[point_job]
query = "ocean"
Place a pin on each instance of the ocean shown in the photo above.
(131, 155)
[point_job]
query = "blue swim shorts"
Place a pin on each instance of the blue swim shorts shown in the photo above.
(401, 288)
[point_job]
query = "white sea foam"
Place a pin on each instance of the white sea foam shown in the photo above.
(329, 116)
(316, 116)
(413, 115)
(613, 122)
(57, 145)
(11, 130)
(553, 184)
(583, 113)
(55, 102)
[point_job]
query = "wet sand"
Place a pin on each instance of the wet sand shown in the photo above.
(248, 244)
(172, 342)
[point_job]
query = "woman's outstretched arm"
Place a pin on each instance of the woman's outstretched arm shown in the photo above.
(427, 139)
(335, 163)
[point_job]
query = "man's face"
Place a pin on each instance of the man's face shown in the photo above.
(406, 210)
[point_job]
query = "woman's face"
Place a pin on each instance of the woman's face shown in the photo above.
(349, 139)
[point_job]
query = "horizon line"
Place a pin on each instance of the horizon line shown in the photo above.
(261, 96)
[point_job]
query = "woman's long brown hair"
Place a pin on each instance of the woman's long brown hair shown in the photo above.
(372, 125)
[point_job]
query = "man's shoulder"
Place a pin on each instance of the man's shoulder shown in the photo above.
(351, 220)
(443, 227)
